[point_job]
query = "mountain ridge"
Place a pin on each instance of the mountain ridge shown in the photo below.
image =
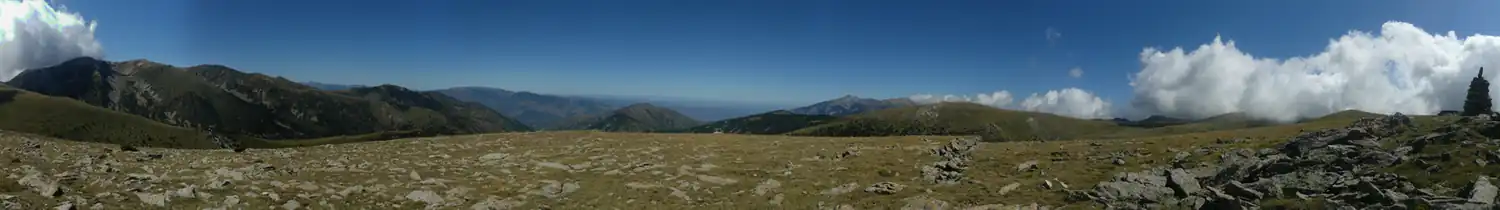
(773, 122)
(639, 117)
(221, 99)
(850, 105)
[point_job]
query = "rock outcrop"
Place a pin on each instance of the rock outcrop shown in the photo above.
(1345, 168)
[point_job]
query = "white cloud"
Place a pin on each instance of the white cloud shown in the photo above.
(1401, 69)
(1075, 72)
(996, 99)
(1071, 102)
(33, 35)
(1053, 35)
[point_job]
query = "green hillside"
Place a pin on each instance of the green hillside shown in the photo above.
(961, 118)
(776, 122)
(65, 118)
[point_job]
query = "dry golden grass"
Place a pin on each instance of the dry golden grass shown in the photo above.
(691, 163)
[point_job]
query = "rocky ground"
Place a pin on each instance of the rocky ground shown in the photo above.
(1362, 166)
(1381, 162)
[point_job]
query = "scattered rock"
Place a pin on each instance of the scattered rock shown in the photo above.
(1236, 189)
(555, 189)
(429, 197)
(1026, 166)
(493, 157)
(291, 205)
(1481, 191)
(191, 191)
(841, 189)
(766, 187)
(638, 185)
(924, 203)
(496, 204)
(553, 165)
(153, 199)
(954, 160)
(680, 194)
(41, 185)
(1010, 187)
(990, 207)
(716, 180)
(885, 188)
(1182, 183)
(848, 154)
(1333, 165)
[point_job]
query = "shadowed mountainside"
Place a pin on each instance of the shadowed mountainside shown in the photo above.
(643, 117)
(851, 105)
(219, 99)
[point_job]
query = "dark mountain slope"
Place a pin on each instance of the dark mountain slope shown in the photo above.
(775, 122)
(642, 117)
(220, 99)
(459, 116)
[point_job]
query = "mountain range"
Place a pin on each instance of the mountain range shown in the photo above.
(220, 99)
(140, 102)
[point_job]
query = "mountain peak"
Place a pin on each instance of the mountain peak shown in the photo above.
(849, 105)
(391, 87)
(86, 59)
(643, 105)
(847, 97)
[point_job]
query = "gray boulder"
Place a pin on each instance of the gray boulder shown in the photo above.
(1481, 191)
(1182, 183)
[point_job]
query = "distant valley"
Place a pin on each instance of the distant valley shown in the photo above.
(537, 110)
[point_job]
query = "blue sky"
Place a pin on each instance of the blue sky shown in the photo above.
(772, 51)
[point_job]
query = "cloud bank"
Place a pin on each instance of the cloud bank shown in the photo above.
(1071, 102)
(33, 35)
(996, 99)
(1401, 69)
